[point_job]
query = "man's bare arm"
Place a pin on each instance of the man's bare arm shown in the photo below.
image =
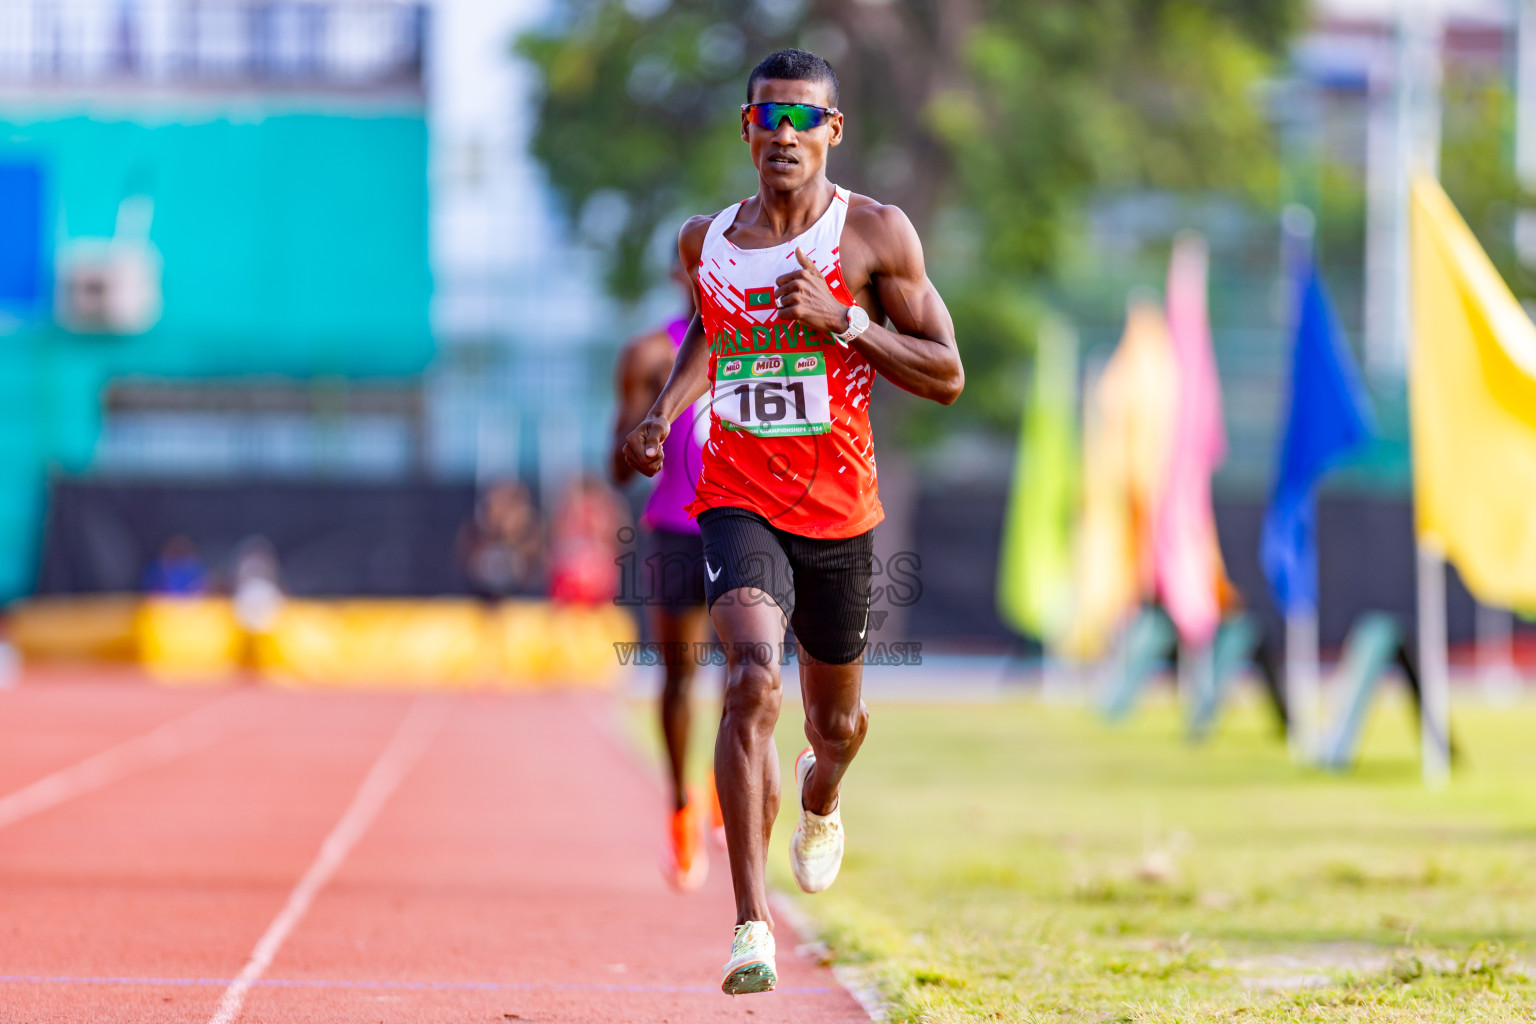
(920, 354)
(690, 371)
(643, 362)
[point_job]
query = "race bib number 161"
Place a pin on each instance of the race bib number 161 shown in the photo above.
(773, 395)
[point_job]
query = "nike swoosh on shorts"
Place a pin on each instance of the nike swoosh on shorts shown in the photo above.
(714, 574)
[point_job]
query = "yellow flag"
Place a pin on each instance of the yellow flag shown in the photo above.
(1127, 429)
(1034, 569)
(1472, 397)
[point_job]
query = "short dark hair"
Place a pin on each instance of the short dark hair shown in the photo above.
(793, 66)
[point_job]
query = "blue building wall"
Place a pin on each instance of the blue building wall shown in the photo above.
(293, 245)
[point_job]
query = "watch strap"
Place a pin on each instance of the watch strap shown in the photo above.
(854, 328)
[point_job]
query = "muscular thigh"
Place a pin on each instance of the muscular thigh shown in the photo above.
(748, 581)
(832, 588)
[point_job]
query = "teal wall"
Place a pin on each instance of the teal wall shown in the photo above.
(293, 245)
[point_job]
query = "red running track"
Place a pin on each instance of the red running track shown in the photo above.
(360, 857)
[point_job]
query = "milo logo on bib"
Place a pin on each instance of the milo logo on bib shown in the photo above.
(805, 364)
(767, 365)
(731, 368)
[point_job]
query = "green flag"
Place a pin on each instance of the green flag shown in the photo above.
(1034, 573)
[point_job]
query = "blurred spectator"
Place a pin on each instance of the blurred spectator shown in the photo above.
(177, 569)
(502, 547)
(585, 543)
(255, 588)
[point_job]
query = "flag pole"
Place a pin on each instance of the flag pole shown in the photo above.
(1419, 40)
(1525, 129)
(1302, 684)
(1434, 668)
(1196, 678)
(1495, 636)
(1298, 229)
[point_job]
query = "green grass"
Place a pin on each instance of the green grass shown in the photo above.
(1027, 862)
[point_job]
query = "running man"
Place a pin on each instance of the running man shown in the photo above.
(674, 563)
(794, 285)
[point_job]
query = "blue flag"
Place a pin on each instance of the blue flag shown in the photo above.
(1328, 416)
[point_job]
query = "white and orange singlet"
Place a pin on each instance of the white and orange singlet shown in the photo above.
(789, 431)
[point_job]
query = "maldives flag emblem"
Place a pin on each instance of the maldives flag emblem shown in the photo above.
(759, 298)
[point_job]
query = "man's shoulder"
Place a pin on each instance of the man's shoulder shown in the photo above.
(690, 239)
(871, 217)
(698, 224)
(884, 231)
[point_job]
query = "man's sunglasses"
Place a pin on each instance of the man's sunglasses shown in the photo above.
(802, 116)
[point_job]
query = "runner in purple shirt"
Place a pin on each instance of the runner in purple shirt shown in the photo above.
(673, 577)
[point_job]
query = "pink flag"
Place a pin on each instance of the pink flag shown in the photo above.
(1189, 568)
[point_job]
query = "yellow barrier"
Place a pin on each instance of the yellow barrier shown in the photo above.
(445, 643)
(535, 643)
(413, 644)
(187, 639)
(375, 643)
(518, 639)
(91, 627)
(585, 638)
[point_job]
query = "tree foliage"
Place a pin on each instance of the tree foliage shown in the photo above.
(1478, 170)
(989, 121)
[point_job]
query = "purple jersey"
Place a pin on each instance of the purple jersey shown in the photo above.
(681, 452)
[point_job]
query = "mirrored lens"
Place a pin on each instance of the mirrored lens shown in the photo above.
(802, 116)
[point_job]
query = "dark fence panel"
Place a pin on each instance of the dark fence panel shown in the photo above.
(1367, 564)
(956, 532)
(331, 538)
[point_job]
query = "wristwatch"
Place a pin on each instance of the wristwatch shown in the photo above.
(858, 323)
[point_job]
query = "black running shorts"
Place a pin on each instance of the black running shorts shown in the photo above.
(674, 570)
(823, 585)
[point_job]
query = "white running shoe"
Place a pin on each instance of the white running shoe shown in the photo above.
(750, 968)
(816, 850)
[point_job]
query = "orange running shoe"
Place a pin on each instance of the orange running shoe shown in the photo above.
(685, 861)
(716, 819)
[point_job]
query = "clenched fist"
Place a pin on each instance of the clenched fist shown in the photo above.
(642, 449)
(804, 295)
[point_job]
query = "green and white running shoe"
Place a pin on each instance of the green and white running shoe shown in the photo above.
(750, 968)
(816, 850)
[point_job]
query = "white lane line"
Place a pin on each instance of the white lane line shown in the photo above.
(165, 743)
(857, 981)
(410, 741)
